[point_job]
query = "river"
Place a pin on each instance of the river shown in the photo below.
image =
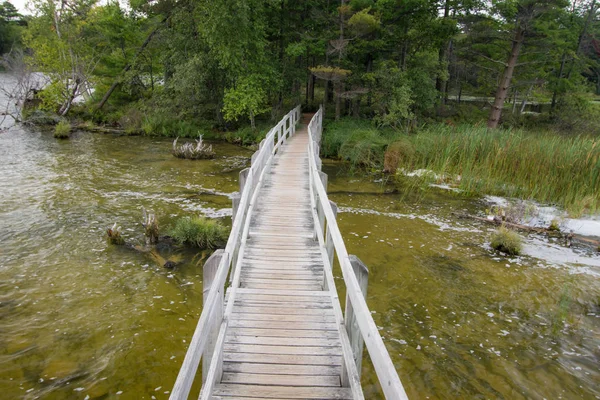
(82, 319)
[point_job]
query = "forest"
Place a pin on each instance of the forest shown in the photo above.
(383, 70)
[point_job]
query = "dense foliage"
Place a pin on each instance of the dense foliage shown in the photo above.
(399, 63)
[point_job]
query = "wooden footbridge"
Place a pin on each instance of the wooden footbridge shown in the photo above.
(272, 326)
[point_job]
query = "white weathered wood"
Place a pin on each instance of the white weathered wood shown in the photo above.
(329, 240)
(356, 341)
(235, 204)
(384, 367)
(209, 272)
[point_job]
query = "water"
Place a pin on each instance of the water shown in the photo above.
(80, 318)
(458, 320)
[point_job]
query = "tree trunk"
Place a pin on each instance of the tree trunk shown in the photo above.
(338, 99)
(117, 81)
(506, 79)
(524, 102)
(560, 74)
(440, 84)
(67, 106)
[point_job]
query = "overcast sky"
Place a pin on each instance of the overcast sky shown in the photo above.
(20, 4)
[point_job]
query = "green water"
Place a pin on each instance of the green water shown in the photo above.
(80, 318)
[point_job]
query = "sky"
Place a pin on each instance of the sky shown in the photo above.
(20, 4)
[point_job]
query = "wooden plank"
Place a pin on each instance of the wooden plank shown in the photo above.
(277, 292)
(285, 310)
(287, 392)
(283, 341)
(280, 317)
(281, 380)
(291, 350)
(282, 359)
(255, 285)
(275, 298)
(311, 326)
(281, 369)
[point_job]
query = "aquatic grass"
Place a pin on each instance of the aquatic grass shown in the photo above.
(199, 232)
(62, 130)
(113, 236)
(549, 168)
(546, 167)
(507, 241)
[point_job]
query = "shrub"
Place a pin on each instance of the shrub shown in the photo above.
(62, 130)
(507, 241)
(199, 232)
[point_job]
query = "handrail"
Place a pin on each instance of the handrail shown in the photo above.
(215, 298)
(384, 367)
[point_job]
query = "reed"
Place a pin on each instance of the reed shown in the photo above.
(545, 167)
(548, 168)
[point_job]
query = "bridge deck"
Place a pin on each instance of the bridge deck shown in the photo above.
(282, 340)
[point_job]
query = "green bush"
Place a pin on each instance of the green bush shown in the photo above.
(199, 232)
(62, 130)
(246, 136)
(507, 241)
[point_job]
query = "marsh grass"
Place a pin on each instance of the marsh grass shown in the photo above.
(507, 241)
(549, 168)
(546, 167)
(199, 232)
(62, 130)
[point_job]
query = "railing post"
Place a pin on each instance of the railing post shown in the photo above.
(278, 134)
(356, 340)
(320, 211)
(329, 239)
(235, 204)
(208, 275)
(243, 178)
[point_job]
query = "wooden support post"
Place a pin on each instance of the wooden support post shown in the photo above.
(243, 178)
(356, 340)
(235, 204)
(208, 275)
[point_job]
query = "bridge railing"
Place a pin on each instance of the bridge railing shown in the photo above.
(208, 337)
(358, 322)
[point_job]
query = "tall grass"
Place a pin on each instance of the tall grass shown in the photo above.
(549, 168)
(546, 167)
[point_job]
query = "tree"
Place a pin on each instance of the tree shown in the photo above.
(526, 17)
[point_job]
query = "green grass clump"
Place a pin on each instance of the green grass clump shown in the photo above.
(507, 241)
(62, 130)
(199, 232)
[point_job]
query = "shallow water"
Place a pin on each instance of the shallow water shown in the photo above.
(80, 318)
(458, 320)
